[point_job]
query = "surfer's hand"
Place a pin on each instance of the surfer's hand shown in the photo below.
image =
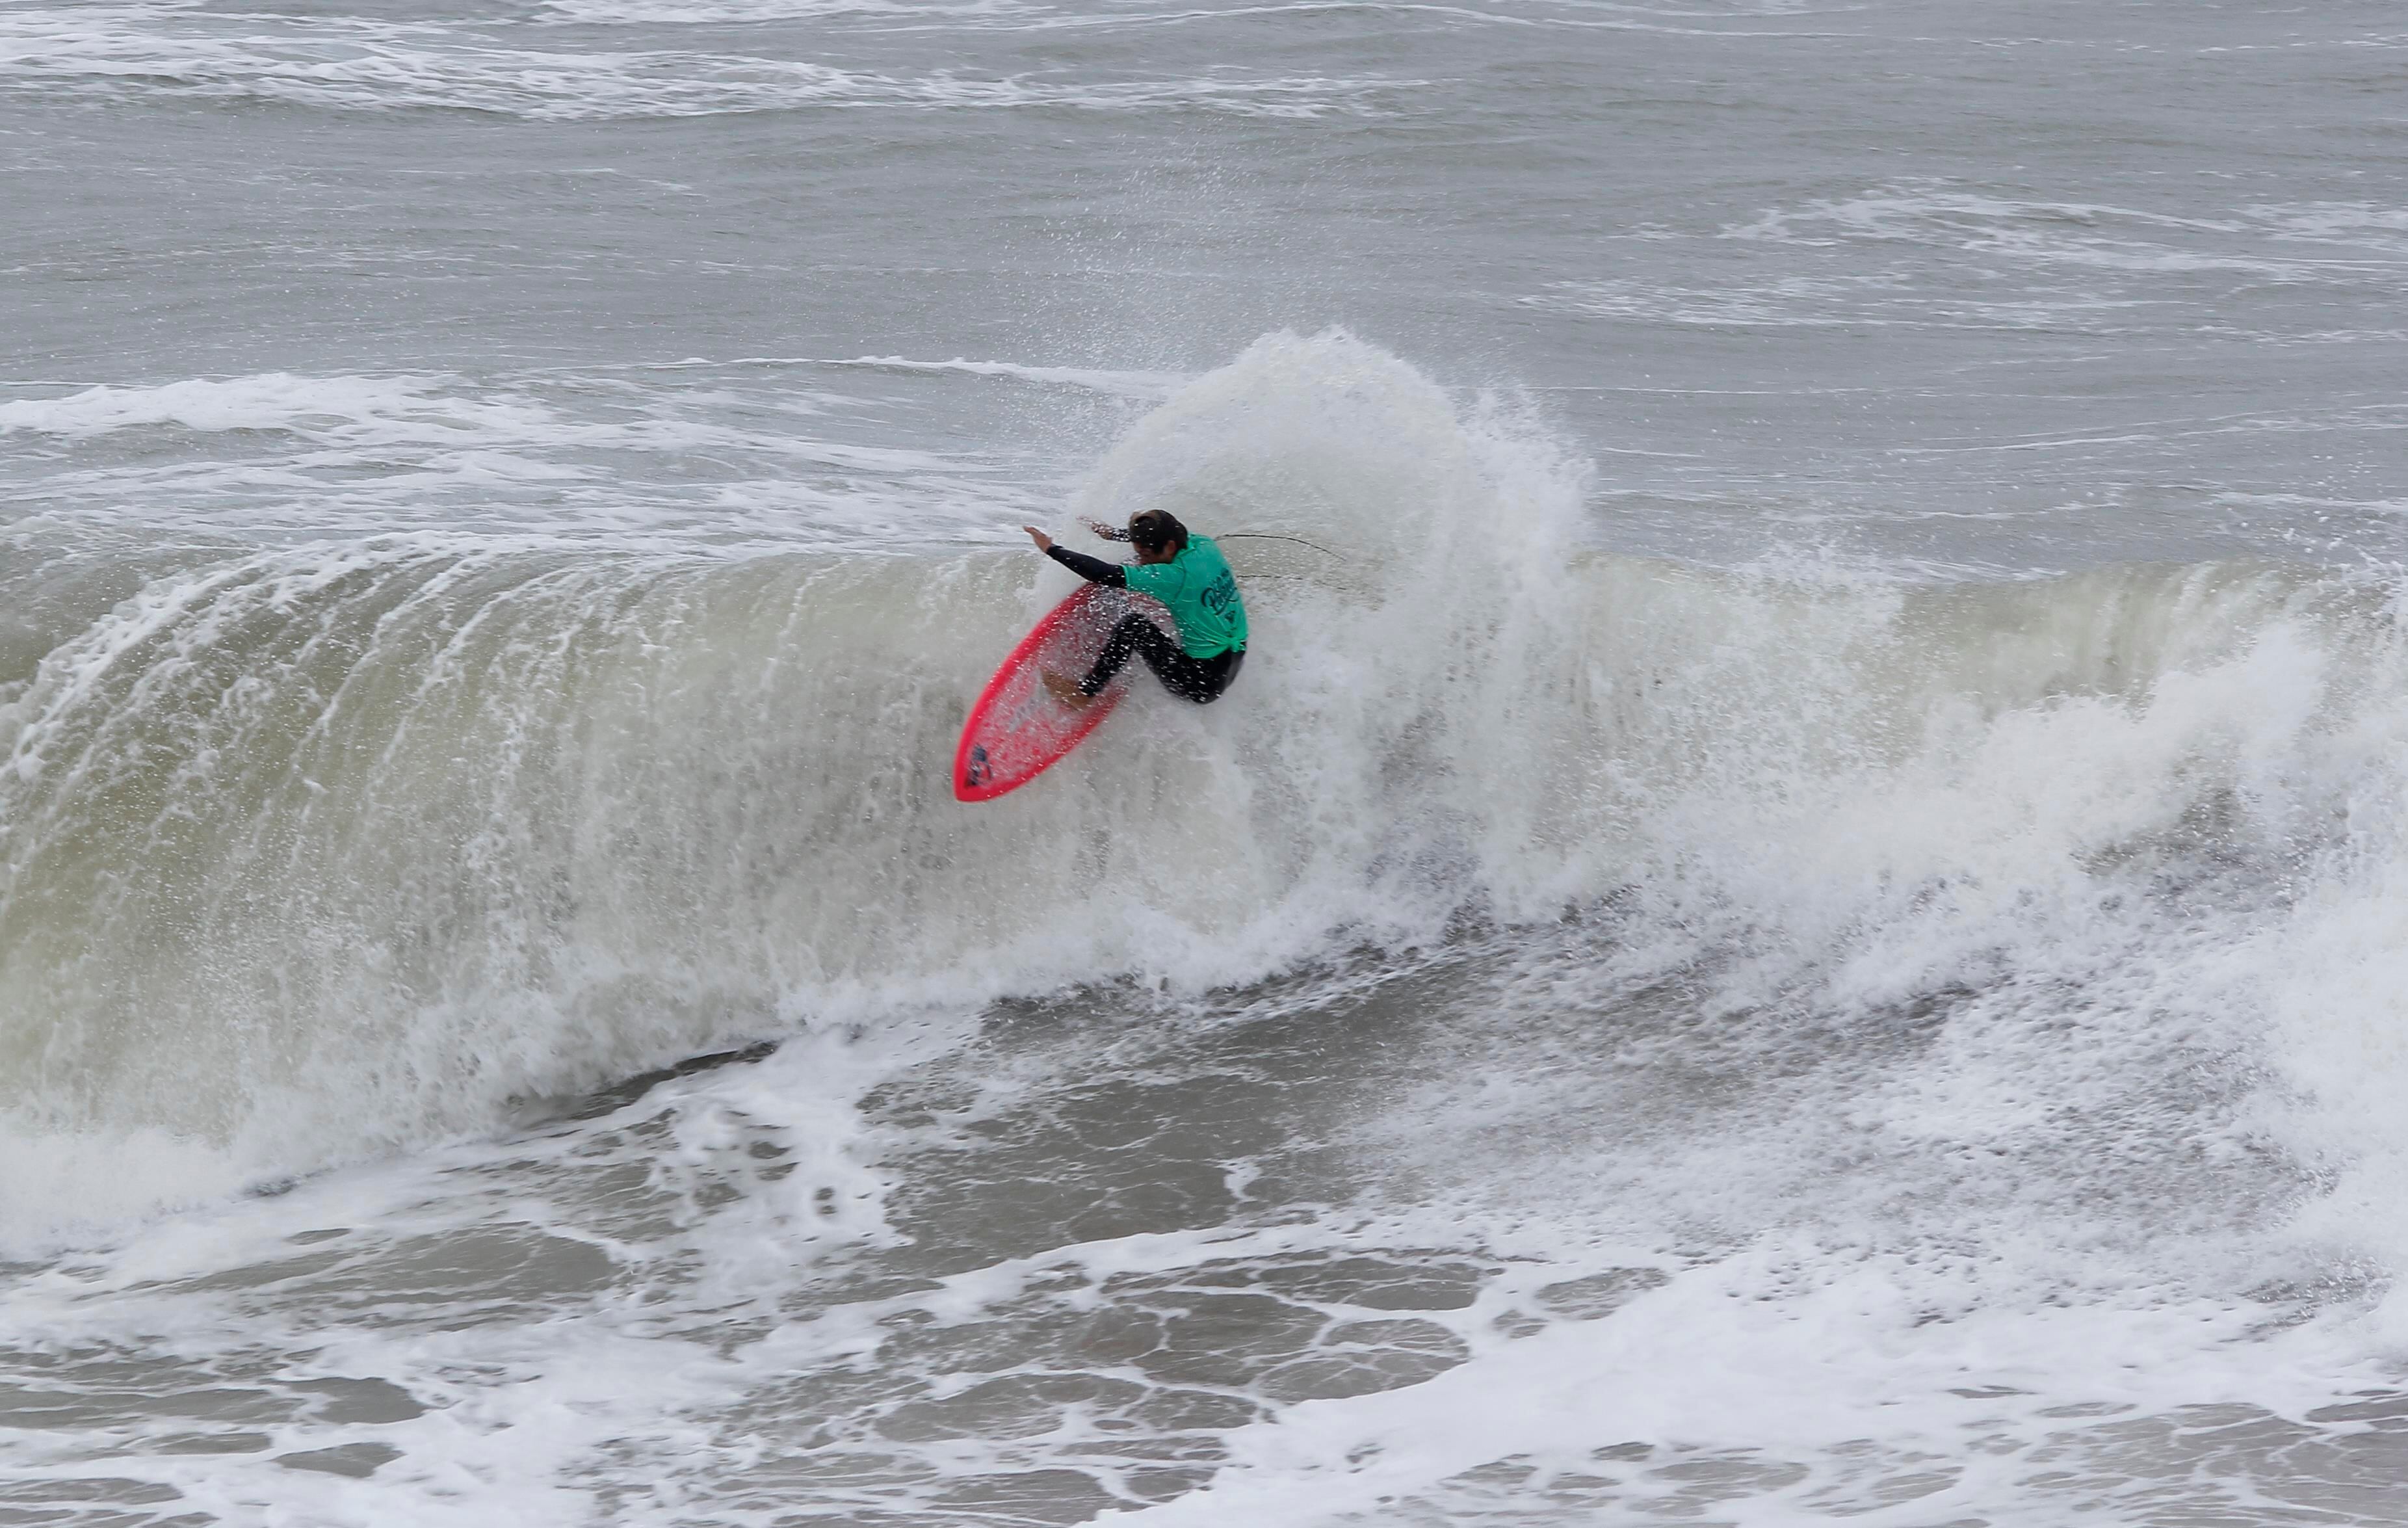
(1044, 542)
(1110, 533)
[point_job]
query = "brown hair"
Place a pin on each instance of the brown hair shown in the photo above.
(1154, 530)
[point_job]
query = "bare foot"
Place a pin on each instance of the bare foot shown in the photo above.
(1066, 690)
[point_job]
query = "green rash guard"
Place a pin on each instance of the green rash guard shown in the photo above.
(1201, 595)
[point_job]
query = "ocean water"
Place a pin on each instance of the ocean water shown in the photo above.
(1800, 915)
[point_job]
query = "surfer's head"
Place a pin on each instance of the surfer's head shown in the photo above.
(1157, 535)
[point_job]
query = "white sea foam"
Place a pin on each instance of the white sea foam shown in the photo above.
(399, 407)
(1745, 1385)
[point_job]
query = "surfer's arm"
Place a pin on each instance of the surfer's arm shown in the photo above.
(1094, 570)
(1110, 533)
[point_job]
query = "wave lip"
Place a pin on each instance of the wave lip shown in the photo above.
(1152, 385)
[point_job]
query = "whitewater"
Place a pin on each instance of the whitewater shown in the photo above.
(1799, 915)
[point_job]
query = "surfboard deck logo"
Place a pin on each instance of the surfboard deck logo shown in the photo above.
(1016, 729)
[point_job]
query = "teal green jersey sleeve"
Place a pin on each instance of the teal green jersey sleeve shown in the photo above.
(1201, 595)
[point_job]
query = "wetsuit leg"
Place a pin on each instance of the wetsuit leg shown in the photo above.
(1130, 634)
(1200, 680)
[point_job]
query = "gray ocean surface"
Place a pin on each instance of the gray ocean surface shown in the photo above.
(1799, 915)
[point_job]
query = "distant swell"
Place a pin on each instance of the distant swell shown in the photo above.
(356, 65)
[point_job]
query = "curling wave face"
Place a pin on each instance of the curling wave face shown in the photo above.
(335, 848)
(1927, 967)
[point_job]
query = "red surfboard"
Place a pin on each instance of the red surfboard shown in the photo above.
(1017, 731)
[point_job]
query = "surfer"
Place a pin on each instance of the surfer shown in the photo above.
(1192, 580)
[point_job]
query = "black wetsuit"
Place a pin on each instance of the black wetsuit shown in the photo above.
(1200, 680)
